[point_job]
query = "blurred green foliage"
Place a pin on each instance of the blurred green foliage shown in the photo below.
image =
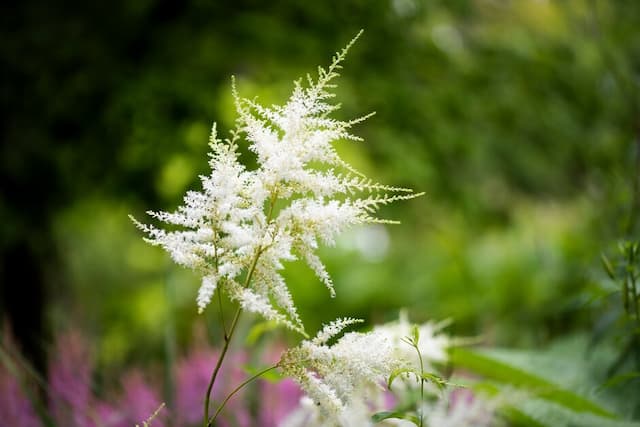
(517, 118)
(552, 387)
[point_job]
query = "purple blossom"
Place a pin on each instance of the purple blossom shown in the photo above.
(70, 394)
(139, 400)
(193, 373)
(15, 407)
(277, 401)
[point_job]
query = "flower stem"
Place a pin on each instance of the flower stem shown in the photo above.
(206, 422)
(237, 389)
(224, 326)
(421, 388)
(227, 340)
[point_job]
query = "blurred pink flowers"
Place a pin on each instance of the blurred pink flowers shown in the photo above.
(72, 401)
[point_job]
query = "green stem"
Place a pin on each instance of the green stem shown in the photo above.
(421, 387)
(217, 262)
(227, 340)
(634, 295)
(237, 389)
(206, 422)
(625, 294)
(224, 326)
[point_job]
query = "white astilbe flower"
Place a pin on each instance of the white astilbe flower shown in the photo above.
(329, 402)
(432, 343)
(240, 228)
(461, 408)
(339, 376)
(356, 414)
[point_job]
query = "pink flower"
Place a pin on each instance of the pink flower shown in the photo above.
(193, 373)
(277, 400)
(15, 407)
(139, 401)
(69, 381)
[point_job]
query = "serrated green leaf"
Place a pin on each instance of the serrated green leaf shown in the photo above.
(397, 372)
(435, 379)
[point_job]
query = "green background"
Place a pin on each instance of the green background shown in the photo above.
(518, 119)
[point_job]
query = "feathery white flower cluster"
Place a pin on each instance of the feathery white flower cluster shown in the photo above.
(338, 394)
(461, 408)
(357, 414)
(243, 224)
(432, 344)
(329, 367)
(340, 376)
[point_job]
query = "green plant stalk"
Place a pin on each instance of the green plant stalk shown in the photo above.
(634, 294)
(421, 385)
(625, 294)
(237, 389)
(206, 422)
(227, 340)
(224, 325)
(414, 343)
(169, 341)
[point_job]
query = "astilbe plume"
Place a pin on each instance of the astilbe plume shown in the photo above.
(340, 380)
(433, 344)
(340, 376)
(240, 228)
(462, 408)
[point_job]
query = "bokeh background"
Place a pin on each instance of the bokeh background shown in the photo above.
(519, 119)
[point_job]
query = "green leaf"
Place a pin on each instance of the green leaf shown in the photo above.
(397, 372)
(607, 266)
(384, 415)
(435, 379)
(518, 418)
(515, 376)
(619, 379)
(258, 330)
(273, 376)
(415, 334)
(536, 412)
(550, 414)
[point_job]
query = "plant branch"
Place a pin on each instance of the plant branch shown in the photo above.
(227, 340)
(224, 326)
(421, 384)
(237, 389)
(206, 422)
